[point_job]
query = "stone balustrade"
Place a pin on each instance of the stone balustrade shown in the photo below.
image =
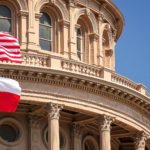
(35, 60)
(80, 68)
(76, 67)
(123, 81)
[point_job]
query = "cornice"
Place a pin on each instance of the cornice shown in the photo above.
(89, 84)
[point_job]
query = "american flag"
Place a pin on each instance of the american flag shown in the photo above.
(9, 48)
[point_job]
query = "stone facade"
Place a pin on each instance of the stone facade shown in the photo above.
(72, 98)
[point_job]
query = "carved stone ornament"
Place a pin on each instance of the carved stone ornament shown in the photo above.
(101, 17)
(114, 34)
(73, 2)
(105, 122)
(34, 121)
(76, 129)
(54, 110)
(53, 1)
(88, 11)
(140, 140)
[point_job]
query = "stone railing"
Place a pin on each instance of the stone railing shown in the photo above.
(35, 60)
(31, 59)
(58, 63)
(115, 78)
(80, 68)
(123, 81)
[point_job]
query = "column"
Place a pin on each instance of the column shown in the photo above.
(53, 126)
(105, 137)
(76, 137)
(140, 141)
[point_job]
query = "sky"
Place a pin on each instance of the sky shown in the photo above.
(133, 47)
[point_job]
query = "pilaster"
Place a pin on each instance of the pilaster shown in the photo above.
(72, 37)
(77, 138)
(94, 50)
(64, 48)
(34, 132)
(33, 27)
(23, 15)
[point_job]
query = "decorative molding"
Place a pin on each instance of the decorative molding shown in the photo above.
(90, 15)
(21, 3)
(58, 3)
(96, 86)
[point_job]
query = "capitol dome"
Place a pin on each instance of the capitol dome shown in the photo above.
(72, 98)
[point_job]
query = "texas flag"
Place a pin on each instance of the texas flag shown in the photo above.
(10, 90)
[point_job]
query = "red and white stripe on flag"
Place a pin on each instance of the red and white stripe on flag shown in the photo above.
(10, 92)
(9, 48)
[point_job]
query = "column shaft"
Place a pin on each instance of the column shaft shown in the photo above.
(53, 134)
(105, 140)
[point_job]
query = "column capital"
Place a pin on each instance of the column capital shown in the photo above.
(140, 139)
(76, 128)
(105, 122)
(53, 110)
(64, 23)
(34, 121)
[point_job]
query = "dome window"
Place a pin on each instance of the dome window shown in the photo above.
(45, 32)
(5, 19)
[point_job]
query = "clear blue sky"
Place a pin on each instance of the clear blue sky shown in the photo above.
(133, 47)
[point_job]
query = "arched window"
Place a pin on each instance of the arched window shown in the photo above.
(79, 42)
(89, 143)
(83, 40)
(5, 19)
(45, 32)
